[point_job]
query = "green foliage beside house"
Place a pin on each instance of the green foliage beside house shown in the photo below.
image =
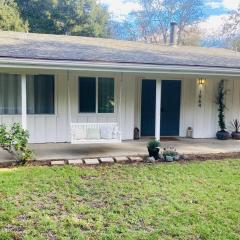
(69, 17)
(10, 19)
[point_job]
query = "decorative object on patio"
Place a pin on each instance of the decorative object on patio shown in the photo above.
(153, 149)
(189, 132)
(170, 154)
(136, 134)
(236, 125)
(87, 133)
(14, 140)
(222, 134)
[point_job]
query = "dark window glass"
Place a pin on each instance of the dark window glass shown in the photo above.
(105, 95)
(87, 95)
(40, 94)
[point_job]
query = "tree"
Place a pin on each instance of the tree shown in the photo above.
(124, 30)
(10, 19)
(153, 21)
(70, 17)
(191, 36)
(231, 29)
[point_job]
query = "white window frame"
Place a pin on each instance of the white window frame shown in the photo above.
(96, 100)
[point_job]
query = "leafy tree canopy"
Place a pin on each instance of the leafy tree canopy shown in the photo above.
(72, 17)
(152, 22)
(10, 19)
(231, 29)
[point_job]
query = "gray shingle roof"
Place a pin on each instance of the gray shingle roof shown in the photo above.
(57, 47)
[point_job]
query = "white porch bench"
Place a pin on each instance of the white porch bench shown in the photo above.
(87, 133)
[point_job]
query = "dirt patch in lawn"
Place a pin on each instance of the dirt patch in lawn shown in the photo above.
(212, 156)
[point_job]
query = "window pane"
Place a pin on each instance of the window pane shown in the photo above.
(87, 95)
(10, 94)
(40, 94)
(105, 95)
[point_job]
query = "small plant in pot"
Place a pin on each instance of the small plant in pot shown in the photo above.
(222, 134)
(153, 149)
(236, 126)
(170, 154)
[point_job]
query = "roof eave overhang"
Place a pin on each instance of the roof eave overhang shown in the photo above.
(115, 67)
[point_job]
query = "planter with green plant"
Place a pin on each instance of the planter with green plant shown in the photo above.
(222, 134)
(236, 126)
(170, 154)
(153, 149)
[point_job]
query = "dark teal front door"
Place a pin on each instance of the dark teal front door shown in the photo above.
(170, 107)
(148, 107)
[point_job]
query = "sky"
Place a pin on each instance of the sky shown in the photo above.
(216, 11)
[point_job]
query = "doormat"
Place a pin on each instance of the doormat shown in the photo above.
(168, 139)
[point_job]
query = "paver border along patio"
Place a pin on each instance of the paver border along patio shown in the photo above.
(96, 161)
(201, 149)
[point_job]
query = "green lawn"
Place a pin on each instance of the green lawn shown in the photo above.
(198, 200)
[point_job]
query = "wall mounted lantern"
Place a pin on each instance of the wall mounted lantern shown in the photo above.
(201, 82)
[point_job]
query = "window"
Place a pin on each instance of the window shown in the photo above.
(96, 95)
(105, 95)
(40, 94)
(87, 94)
(10, 94)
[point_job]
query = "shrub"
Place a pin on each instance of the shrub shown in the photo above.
(14, 139)
(153, 144)
(171, 152)
(221, 105)
(236, 125)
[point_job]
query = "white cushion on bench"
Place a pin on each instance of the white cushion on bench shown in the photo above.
(80, 134)
(93, 133)
(106, 132)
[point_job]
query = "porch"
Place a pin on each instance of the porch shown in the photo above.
(66, 151)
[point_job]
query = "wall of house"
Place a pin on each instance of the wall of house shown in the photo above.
(203, 120)
(55, 128)
(206, 117)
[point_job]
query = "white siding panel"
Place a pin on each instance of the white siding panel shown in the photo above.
(128, 105)
(55, 128)
(206, 117)
(187, 105)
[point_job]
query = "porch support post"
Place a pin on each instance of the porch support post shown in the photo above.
(120, 107)
(24, 100)
(158, 108)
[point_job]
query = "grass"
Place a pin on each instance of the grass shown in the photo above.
(198, 200)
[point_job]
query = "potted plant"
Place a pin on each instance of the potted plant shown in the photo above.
(222, 134)
(170, 154)
(236, 125)
(153, 149)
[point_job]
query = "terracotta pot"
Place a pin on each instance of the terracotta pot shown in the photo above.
(154, 153)
(223, 135)
(236, 135)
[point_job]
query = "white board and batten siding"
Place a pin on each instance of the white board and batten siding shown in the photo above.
(55, 127)
(203, 120)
